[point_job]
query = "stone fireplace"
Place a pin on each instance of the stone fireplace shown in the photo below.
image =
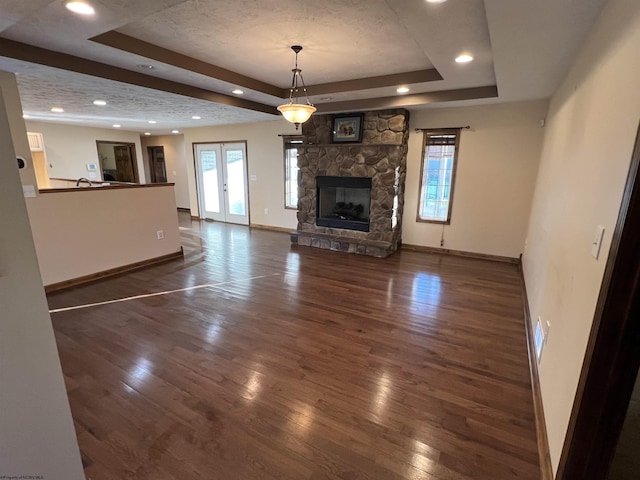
(351, 196)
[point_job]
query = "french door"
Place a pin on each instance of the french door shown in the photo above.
(222, 182)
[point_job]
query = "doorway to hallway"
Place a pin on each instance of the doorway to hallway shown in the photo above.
(118, 161)
(157, 164)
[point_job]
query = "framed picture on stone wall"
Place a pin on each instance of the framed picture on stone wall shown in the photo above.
(347, 128)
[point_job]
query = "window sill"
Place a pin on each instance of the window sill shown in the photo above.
(437, 222)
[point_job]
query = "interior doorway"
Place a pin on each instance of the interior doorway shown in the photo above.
(626, 461)
(157, 165)
(223, 193)
(40, 167)
(118, 161)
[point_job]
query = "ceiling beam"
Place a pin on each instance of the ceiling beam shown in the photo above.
(29, 53)
(409, 100)
(393, 80)
(144, 49)
(41, 56)
(133, 45)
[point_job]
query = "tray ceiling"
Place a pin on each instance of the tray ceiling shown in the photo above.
(356, 53)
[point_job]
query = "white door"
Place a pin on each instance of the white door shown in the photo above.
(222, 182)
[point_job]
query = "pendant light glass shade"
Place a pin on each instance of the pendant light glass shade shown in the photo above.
(296, 112)
(293, 111)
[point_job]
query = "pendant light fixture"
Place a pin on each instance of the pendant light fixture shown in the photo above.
(293, 111)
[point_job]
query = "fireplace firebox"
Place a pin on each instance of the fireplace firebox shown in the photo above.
(343, 202)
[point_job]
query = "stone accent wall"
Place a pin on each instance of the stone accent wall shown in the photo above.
(382, 155)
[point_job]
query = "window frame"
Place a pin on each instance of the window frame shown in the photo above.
(426, 134)
(287, 141)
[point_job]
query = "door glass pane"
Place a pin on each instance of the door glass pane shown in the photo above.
(235, 182)
(210, 181)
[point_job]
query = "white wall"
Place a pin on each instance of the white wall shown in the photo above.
(69, 148)
(175, 161)
(494, 185)
(36, 431)
(108, 156)
(497, 165)
(265, 157)
(591, 127)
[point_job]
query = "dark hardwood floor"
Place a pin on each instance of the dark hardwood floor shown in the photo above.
(279, 362)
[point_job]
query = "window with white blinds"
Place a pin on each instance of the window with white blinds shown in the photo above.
(438, 175)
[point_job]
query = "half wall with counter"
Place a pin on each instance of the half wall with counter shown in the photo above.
(85, 233)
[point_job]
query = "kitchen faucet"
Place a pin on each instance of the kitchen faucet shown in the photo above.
(82, 179)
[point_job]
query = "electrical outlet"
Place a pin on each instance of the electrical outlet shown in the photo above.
(266, 211)
(160, 234)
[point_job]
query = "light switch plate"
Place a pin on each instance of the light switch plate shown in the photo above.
(29, 191)
(539, 339)
(597, 242)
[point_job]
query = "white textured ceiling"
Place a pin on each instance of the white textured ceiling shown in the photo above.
(535, 42)
(129, 106)
(522, 46)
(338, 37)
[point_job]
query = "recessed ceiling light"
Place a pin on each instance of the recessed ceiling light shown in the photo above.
(100, 102)
(237, 91)
(464, 58)
(83, 8)
(115, 125)
(175, 131)
(152, 121)
(147, 133)
(402, 89)
(146, 66)
(436, 1)
(196, 117)
(57, 109)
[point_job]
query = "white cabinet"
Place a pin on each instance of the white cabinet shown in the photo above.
(35, 142)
